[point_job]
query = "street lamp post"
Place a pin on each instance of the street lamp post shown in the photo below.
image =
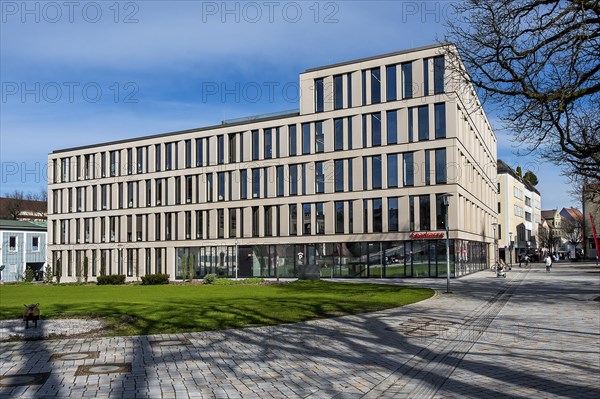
(237, 261)
(120, 249)
(446, 203)
(510, 247)
(495, 246)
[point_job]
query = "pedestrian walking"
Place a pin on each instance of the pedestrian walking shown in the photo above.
(548, 263)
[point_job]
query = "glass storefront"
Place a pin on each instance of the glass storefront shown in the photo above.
(379, 259)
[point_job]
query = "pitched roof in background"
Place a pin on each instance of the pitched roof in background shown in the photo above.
(549, 214)
(22, 225)
(29, 209)
(573, 214)
(503, 168)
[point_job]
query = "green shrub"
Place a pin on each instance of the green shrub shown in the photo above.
(210, 278)
(113, 279)
(28, 275)
(48, 275)
(248, 281)
(155, 279)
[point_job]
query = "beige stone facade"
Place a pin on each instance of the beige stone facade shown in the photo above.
(341, 184)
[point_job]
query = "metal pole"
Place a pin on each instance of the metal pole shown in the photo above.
(236, 259)
(447, 250)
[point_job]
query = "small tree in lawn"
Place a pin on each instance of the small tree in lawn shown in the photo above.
(48, 275)
(58, 271)
(85, 269)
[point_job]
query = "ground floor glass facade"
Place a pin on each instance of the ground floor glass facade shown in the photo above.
(379, 259)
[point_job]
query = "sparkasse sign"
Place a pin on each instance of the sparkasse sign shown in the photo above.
(427, 235)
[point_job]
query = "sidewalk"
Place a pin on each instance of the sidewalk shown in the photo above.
(533, 334)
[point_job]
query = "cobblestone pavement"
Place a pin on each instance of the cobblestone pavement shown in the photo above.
(531, 335)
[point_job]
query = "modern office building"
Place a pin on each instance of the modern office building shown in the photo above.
(352, 185)
(519, 214)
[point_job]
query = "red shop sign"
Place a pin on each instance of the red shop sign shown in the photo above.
(417, 236)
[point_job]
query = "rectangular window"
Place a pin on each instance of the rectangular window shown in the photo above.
(306, 219)
(243, 184)
(440, 120)
(438, 75)
(12, 243)
(121, 195)
(364, 87)
(189, 189)
(424, 212)
(157, 157)
(293, 179)
(440, 166)
(349, 120)
(338, 175)
(440, 212)
(169, 156)
(349, 88)
(199, 224)
(233, 222)
(426, 77)
(393, 214)
(392, 127)
(376, 129)
(305, 138)
(139, 227)
(113, 163)
(351, 218)
(392, 170)
(376, 171)
(364, 131)
(293, 219)
(319, 178)
(390, 87)
(277, 143)
(129, 162)
(131, 193)
(407, 80)
(338, 92)
(408, 169)
(280, 180)
(350, 175)
(411, 125)
(320, 218)
(319, 95)
(255, 221)
(339, 217)
(220, 223)
(364, 170)
(140, 160)
(232, 147)
(266, 181)
(254, 145)
(303, 171)
(220, 149)
(268, 221)
(293, 148)
(319, 137)
(375, 86)
(423, 112)
(168, 225)
(427, 167)
(256, 183)
(377, 215)
(102, 164)
(209, 187)
(199, 152)
(268, 144)
(221, 186)
(188, 153)
(338, 134)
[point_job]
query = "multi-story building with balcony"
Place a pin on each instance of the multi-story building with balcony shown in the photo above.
(353, 184)
(519, 214)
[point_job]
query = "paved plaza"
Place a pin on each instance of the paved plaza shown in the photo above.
(530, 335)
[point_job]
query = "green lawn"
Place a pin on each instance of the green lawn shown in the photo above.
(140, 310)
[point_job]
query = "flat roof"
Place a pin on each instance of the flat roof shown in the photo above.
(233, 122)
(22, 225)
(375, 57)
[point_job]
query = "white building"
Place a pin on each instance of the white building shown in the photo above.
(351, 185)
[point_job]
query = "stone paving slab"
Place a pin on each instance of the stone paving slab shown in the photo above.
(533, 334)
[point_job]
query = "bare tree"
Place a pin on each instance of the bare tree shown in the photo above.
(538, 61)
(573, 231)
(14, 204)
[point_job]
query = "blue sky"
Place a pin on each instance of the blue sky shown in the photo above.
(76, 73)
